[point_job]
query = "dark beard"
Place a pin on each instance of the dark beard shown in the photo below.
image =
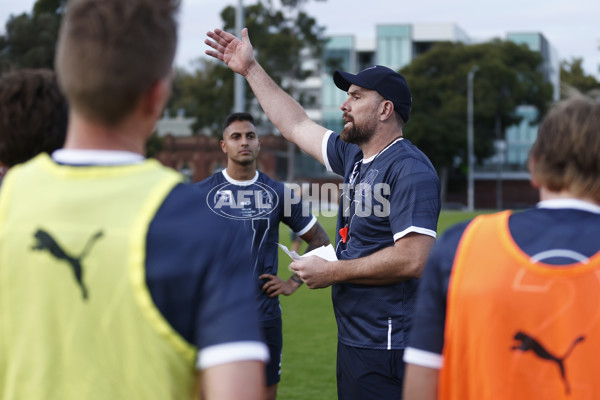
(358, 134)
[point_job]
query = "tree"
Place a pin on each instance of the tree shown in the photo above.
(279, 36)
(206, 94)
(509, 75)
(283, 36)
(574, 80)
(30, 39)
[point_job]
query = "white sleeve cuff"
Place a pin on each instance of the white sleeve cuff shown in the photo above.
(307, 228)
(415, 229)
(324, 150)
(423, 358)
(231, 352)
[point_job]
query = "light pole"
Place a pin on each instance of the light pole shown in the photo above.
(470, 146)
(239, 87)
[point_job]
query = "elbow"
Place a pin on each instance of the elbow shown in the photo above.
(411, 270)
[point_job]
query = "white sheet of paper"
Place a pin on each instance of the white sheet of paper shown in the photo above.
(293, 255)
(325, 252)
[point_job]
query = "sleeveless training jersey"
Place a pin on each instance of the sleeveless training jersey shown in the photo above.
(398, 192)
(558, 231)
(77, 318)
(535, 334)
(258, 206)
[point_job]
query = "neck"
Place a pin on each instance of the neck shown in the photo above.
(241, 172)
(129, 135)
(546, 194)
(379, 142)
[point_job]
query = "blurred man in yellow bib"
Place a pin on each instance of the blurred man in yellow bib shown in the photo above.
(110, 275)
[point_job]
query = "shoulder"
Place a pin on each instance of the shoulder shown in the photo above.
(267, 180)
(407, 158)
(185, 214)
(210, 181)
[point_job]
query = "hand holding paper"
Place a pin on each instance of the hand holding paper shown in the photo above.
(314, 267)
(325, 252)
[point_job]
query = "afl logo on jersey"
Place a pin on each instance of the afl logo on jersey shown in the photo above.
(242, 202)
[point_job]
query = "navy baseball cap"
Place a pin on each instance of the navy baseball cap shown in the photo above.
(388, 83)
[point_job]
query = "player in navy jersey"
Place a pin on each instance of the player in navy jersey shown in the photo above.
(257, 204)
(111, 275)
(387, 217)
(559, 235)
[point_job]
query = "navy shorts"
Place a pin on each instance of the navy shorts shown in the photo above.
(274, 340)
(365, 374)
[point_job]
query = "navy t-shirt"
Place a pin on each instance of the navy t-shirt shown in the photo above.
(393, 193)
(257, 207)
(567, 225)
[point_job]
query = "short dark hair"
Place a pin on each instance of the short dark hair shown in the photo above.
(33, 115)
(237, 116)
(110, 52)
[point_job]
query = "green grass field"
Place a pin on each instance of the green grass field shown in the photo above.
(310, 331)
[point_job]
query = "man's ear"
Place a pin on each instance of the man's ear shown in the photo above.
(387, 110)
(222, 142)
(531, 166)
(156, 97)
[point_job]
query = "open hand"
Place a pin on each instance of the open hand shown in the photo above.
(237, 54)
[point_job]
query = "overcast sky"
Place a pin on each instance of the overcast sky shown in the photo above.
(571, 27)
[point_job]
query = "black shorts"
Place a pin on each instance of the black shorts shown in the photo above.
(274, 341)
(365, 374)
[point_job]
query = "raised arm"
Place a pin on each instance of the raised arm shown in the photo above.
(283, 111)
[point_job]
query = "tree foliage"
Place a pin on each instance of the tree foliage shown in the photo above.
(574, 80)
(509, 75)
(206, 94)
(282, 35)
(30, 39)
(279, 36)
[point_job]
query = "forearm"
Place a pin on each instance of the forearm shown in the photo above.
(248, 377)
(273, 100)
(315, 238)
(405, 260)
(285, 112)
(420, 383)
(295, 280)
(377, 269)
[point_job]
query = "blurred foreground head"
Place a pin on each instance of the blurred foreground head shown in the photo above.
(566, 154)
(110, 52)
(33, 115)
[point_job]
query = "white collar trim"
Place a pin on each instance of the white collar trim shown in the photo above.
(368, 160)
(239, 183)
(569, 203)
(96, 157)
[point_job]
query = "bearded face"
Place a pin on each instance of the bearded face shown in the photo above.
(359, 131)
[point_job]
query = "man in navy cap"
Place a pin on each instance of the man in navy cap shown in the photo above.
(387, 217)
